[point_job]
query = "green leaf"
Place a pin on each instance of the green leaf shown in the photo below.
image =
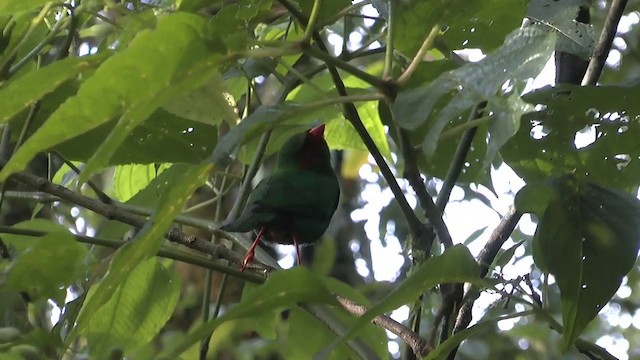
(128, 180)
(328, 9)
(191, 66)
(504, 256)
(144, 246)
(281, 289)
(24, 91)
(153, 66)
(456, 265)
(484, 24)
(162, 138)
(341, 135)
(209, 104)
(534, 198)
(588, 238)
(38, 269)
(137, 311)
(577, 37)
(10, 7)
(308, 335)
(601, 118)
(523, 56)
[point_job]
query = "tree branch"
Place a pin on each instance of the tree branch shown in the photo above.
(500, 234)
(163, 252)
(417, 344)
(114, 212)
(601, 51)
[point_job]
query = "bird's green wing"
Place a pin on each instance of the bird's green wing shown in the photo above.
(302, 193)
(288, 193)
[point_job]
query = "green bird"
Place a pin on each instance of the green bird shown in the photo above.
(293, 205)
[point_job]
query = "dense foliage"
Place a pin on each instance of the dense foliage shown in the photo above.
(132, 130)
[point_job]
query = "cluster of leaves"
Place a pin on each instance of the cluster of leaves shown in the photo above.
(157, 96)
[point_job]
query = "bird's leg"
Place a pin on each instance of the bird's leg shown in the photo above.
(295, 242)
(248, 257)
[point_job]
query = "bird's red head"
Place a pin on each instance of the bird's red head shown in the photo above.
(317, 132)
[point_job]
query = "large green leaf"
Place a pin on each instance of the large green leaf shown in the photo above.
(208, 104)
(38, 268)
(144, 246)
(523, 56)
(137, 311)
(161, 138)
(588, 238)
(602, 117)
(26, 90)
(341, 135)
(283, 289)
(10, 7)
(484, 24)
(465, 24)
(128, 85)
(128, 180)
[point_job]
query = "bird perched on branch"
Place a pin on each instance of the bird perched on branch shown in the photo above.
(293, 205)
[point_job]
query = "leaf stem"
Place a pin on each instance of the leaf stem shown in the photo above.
(455, 131)
(388, 54)
(313, 19)
(426, 45)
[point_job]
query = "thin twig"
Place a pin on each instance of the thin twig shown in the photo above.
(102, 196)
(165, 252)
(456, 164)
(114, 212)
(431, 212)
(426, 45)
(388, 55)
(601, 51)
(332, 61)
(245, 189)
(417, 344)
(500, 234)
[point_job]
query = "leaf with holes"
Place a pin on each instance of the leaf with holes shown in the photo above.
(588, 238)
(523, 56)
(590, 131)
(576, 37)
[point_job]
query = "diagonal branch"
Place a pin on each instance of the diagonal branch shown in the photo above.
(500, 234)
(601, 51)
